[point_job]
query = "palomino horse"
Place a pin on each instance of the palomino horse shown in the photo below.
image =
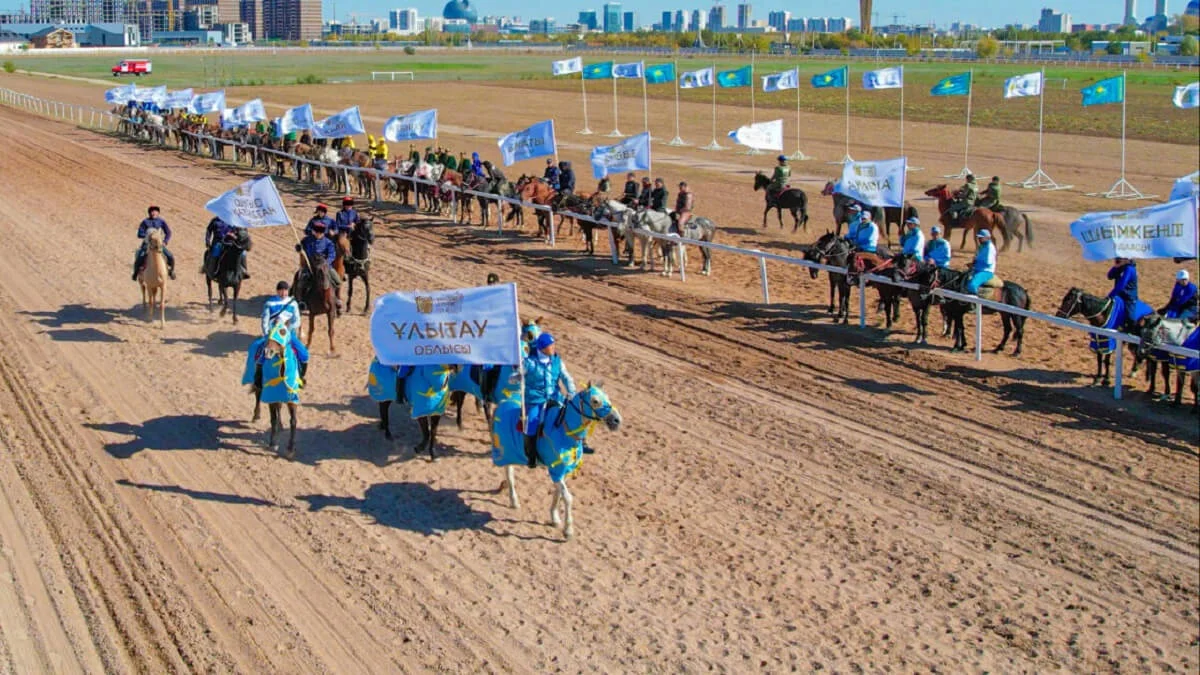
(358, 260)
(1005, 292)
(1007, 223)
(341, 249)
(425, 388)
(275, 368)
(153, 278)
(1110, 313)
(792, 199)
(227, 272)
(559, 444)
(1158, 331)
(318, 298)
(834, 251)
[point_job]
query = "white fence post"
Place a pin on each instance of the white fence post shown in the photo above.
(553, 234)
(862, 301)
(612, 246)
(978, 332)
(762, 272)
(1117, 381)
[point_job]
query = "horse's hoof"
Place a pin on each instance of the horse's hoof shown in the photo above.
(256, 417)
(569, 533)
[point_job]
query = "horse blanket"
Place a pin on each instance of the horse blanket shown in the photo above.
(281, 381)
(1184, 363)
(428, 390)
(559, 451)
(1117, 318)
(383, 381)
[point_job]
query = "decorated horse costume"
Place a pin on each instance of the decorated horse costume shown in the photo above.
(559, 445)
(425, 388)
(1157, 331)
(1108, 313)
(275, 367)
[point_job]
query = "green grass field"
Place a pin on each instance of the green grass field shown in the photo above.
(1151, 114)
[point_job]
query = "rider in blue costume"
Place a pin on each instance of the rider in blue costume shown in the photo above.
(551, 174)
(1125, 286)
(1182, 304)
(983, 268)
(866, 239)
(912, 242)
(153, 222)
(937, 250)
(343, 220)
(214, 240)
(856, 215)
(320, 215)
(545, 379)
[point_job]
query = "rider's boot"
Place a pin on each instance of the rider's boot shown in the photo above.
(531, 451)
(137, 266)
(245, 270)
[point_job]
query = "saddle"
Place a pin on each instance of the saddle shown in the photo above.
(992, 289)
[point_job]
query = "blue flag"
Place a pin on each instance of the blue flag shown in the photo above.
(120, 95)
(296, 119)
(155, 95)
(346, 123)
(255, 203)
(742, 77)
(1111, 90)
(955, 85)
(213, 101)
(833, 78)
(536, 141)
(420, 124)
(598, 71)
(628, 71)
(179, 99)
(660, 74)
(631, 154)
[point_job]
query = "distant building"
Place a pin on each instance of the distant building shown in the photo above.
(716, 18)
(612, 17)
(667, 24)
(252, 15)
(587, 19)
(235, 33)
(699, 21)
(677, 23)
(1130, 13)
(10, 42)
(798, 25)
(743, 15)
(544, 26)
(403, 21)
(629, 22)
(53, 38)
(292, 20)
(84, 34)
(839, 24)
(817, 25)
(200, 18)
(779, 20)
(1054, 22)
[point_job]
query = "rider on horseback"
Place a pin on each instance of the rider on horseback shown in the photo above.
(983, 268)
(659, 196)
(644, 197)
(866, 238)
(1183, 301)
(684, 203)
(964, 201)
(317, 248)
(1125, 281)
(912, 242)
(215, 236)
(604, 186)
(153, 222)
(281, 307)
(937, 251)
(320, 216)
(544, 374)
(378, 149)
(852, 225)
(630, 195)
(566, 178)
(780, 178)
(344, 220)
(550, 175)
(990, 199)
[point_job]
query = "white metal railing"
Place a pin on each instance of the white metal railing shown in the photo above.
(391, 74)
(109, 121)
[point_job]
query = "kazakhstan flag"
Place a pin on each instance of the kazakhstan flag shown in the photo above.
(660, 74)
(741, 77)
(1111, 90)
(955, 85)
(834, 78)
(598, 71)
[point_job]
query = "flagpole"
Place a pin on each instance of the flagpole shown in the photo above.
(677, 141)
(714, 145)
(586, 130)
(967, 143)
(1122, 189)
(1040, 179)
(798, 155)
(753, 118)
(616, 132)
(645, 104)
(846, 158)
(907, 166)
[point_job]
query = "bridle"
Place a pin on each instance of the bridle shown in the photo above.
(1077, 298)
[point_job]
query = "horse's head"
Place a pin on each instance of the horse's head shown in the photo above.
(531, 329)
(1153, 334)
(278, 338)
(827, 191)
(941, 192)
(595, 406)
(1071, 304)
(761, 181)
(154, 240)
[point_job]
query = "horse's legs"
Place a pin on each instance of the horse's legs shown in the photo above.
(1019, 329)
(257, 403)
(1006, 321)
(291, 447)
(457, 398)
(236, 290)
(366, 292)
(208, 282)
(766, 210)
(162, 306)
(273, 408)
(707, 253)
(511, 483)
(423, 424)
(312, 324)
(349, 290)
(434, 421)
(329, 317)
(1151, 376)
(385, 423)
(832, 286)
(568, 503)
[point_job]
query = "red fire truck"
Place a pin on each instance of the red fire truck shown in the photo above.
(136, 67)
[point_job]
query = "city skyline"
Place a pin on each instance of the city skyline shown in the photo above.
(939, 12)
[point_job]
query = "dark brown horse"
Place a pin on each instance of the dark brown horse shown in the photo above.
(358, 261)
(884, 217)
(861, 263)
(318, 298)
(834, 251)
(534, 191)
(792, 199)
(1008, 293)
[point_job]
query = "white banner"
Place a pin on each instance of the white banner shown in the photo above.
(567, 66)
(1187, 186)
(761, 136)
(1023, 85)
(255, 203)
(475, 326)
(879, 183)
(1158, 231)
(177, 100)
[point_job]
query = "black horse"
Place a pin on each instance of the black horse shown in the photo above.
(832, 250)
(358, 261)
(792, 199)
(1012, 294)
(1098, 311)
(910, 269)
(226, 270)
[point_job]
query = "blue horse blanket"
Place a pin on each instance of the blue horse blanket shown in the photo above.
(559, 452)
(1184, 363)
(281, 382)
(1117, 318)
(382, 381)
(427, 388)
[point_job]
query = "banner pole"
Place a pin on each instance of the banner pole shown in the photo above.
(907, 167)
(1124, 96)
(645, 103)
(714, 145)
(967, 141)
(1041, 117)
(583, 87)
(677, 141)
(616, 132)
(799, 154)
(753, 113)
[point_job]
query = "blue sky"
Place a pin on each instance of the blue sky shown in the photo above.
(941, 12)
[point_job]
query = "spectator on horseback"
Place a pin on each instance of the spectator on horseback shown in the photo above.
(866, 239)
(983, 268)
(964, 201)
(644, 197)
(430, 157)
(476, 165)
(153, 222)
(1124, 276)
(990, 199)
(780, 178)
(317, 247)
(450, 162)
(413, 155)
(550, 175)
(320, 215)
(629, 197)
(604, 186)
(378, 150)
(344, 220)
(281, 307)
(912, 242)
(937, 250)
(566, 178)
(685, 201)
(659, 197)
(1184, 302)
(546, 381)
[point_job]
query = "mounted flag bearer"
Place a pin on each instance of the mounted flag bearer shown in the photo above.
(546, 379)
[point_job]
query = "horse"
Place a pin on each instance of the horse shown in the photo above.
(559, 444)
(447, 191)
(1005, 292)
(834, 251)
(1110, 313)
(153, 278)
(1157, 331)
(341, 249)
(358, 260)
(1007, 222)
(425, 388)
(861, 262)
(318, 298)
(535, 191)
(227, 272)
(884, 217)
(920, 299)
(792, 199)
(275, 368)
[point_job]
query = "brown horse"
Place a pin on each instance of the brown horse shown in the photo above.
(1007, 222)
(861, 263)
(447, 191)
(532, 190)
(318, 298)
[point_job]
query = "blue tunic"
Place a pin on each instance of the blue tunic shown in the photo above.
(937, 251)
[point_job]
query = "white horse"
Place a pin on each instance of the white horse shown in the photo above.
(636, 225)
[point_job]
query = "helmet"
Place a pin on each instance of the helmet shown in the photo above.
(493, 278)
(984, 234)
(544, 340)
(855, 208)
(152, 209)
(782, 158)
(1181, 275)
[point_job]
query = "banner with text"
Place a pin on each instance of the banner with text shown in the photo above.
(213, 101)
(879, 183)
(468, 326)
(420, 124)
(1158, 231)
(761, 136)
(179, 99)
(346, 123)
(299, 118)
(536, 141)
(243, 115)
(255, 203)
(631, 154)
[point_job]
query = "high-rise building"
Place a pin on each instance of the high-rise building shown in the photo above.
(629, 22)
(403, 21)
(797, 25)
(779, 20)
(716, 17)
(838, 24)
(588, 20)
(544, 26)
(1054, 22)
(1160, 8)
(743, 15)
(252, 16)
(817, 25)
(612, 17)
(698, 22)
(1130, 13)
(667, 24)
(291, 19)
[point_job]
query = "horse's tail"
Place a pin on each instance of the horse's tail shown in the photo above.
(1028, 230)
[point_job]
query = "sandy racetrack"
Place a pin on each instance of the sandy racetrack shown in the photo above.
(786, 495)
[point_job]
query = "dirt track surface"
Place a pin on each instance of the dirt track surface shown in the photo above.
(786, 494)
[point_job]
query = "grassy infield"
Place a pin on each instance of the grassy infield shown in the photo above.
(1151, 114)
